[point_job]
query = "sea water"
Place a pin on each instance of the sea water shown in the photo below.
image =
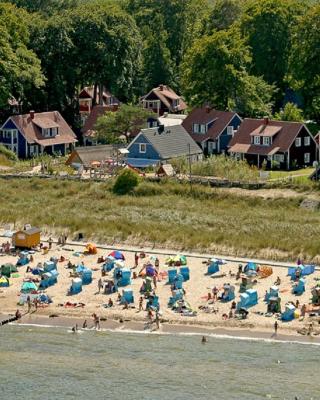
(52, 363)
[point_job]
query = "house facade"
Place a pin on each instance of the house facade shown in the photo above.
(89, 97)
(285, 144)
(161, 144)
(211, 129)
(32, 134)
(163, 99)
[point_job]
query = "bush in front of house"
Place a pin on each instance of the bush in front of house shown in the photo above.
(126, 181)
(10, 155)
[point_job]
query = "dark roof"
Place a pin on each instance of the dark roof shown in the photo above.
(89, 154)
(167, 95)
(282, 140)
(96, 112)
(204, 115)
(30, 128)
(173, 142)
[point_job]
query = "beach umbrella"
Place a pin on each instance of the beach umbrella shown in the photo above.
(117, 255)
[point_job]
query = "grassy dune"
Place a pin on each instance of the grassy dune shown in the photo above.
(166, 214)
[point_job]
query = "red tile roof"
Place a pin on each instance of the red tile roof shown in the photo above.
(30, 128)
(96, 112)
(220, 120)
(282, 140)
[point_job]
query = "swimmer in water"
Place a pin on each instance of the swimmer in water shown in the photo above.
(204, 339)
(75, 328)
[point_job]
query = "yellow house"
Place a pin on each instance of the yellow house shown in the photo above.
(26, 238)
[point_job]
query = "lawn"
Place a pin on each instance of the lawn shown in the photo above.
(291, 174)
(165, 214)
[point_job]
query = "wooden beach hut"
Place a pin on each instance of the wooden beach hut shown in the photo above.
(27, 238)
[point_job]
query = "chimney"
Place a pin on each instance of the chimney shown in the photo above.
(161, 88)
(266, 120)
(31, 114)
(208, 109)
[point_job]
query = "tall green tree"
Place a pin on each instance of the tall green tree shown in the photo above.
(267, 25)
(127, 121)
(290, 112)
(20, 68)
(215, 72)
(224, 14)
(304, 71)
(46, 7)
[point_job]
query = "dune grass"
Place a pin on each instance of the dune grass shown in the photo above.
(165, 214)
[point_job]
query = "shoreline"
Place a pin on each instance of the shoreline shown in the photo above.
(166, 328)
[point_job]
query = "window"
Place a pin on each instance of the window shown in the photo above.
(266, 141)
(196, 128)
(307, 141)
(142, 148)
(256, 140)
(176, 103)
(54, 132)
(307, 158)
(230, 130)
(279, 158)
(211, 147)
(298, 142)
(203, 129)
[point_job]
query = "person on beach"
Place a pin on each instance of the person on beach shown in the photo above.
(110, 303)
(297, 304)
(96, 321)
(157, 320)
(310, 329)
(50, 241)
(85, 324)
(35, 302)
(29, 304)
(215, 292)
(18, 315)
(276, 327)
(141, 303)
(278, 281)
(100, 285)
(136, 260)
(303, 310)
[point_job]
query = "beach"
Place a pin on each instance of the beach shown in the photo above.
(257, 325)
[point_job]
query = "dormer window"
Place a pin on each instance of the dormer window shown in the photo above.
(266, 141)
(49, 132)
(256, 140)
(176, 102)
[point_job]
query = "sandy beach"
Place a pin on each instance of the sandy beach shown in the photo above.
(197, 288)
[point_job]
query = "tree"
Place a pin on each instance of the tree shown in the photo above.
(126, 181)
(19, 66)
(304, 70)
(127, 121)
(45, 6)
(290, 113)
(267, 25)
(215, 72)
(224, 14)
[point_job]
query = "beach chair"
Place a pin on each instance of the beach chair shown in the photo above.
(185, 272)
(296, 272)
(153, 303)
(299, 287)
(308, 270)
(54, 277)
(246, 283)
(109, 264)
(176, 296)
(76, 286)
(273, 292)
(122, 277)
(49, 266)
(86, 276)
(127, 296)
(288, 314)
(213, 268)
(45, 280)
(251, 269)
(248, 299)
(228, 294)
(178, 281)
(23, 258)
(171, 275)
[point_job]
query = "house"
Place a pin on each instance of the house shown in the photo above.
(163, 99)
(89, 97)
(161, 144)
(289, 144)
(212, 129)
(88, 130)
(32, 134)
(166, 120)
(26, 238)
(88, 155)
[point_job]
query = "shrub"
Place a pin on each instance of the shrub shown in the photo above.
(126, 181)
(8, 153)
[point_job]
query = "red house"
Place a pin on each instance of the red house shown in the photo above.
(162, 100)
(290, 144)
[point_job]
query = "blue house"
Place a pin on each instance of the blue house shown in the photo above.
(32, 134)
(157, 145)
(212, 129)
